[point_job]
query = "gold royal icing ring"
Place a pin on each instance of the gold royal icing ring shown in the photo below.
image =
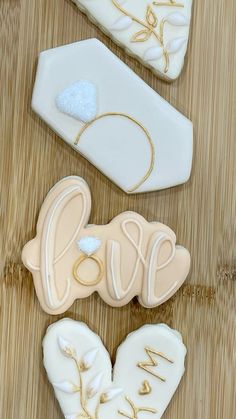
(79, 100)
(88, 245)
(143, 129)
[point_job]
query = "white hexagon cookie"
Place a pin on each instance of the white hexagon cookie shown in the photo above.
(109, 115)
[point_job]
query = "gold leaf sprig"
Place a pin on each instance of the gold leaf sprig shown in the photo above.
(169, 3)
(141, 36)
(93, 387)
(145, 34)
(82, 366)
(151, 17)
(135, 410)
(150, 28)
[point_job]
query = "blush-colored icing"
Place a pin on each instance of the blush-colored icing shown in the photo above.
(131, 256)
(151, 352)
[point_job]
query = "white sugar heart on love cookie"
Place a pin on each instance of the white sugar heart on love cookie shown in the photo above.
(79, 368)
(79, 100)
(89, 245)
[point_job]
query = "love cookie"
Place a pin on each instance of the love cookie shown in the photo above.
(127, 257)
(109, 115)
(155, 32)
(79, 368)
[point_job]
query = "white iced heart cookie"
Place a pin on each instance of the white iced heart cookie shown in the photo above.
(126, 258)
(155, 32)
(109, 115)
(79, 100)
(79, 368)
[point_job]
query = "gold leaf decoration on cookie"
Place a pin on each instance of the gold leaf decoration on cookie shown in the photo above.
(151, 17)
(145, 388)
(141, 36)
(135, 410)
(168, 3)
(151, 29)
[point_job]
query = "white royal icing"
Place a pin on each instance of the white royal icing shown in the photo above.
(47, 258)
(134, 136)
(89, 245)
(154, 355)
(149, 264)
(79, 100)
(142, 25)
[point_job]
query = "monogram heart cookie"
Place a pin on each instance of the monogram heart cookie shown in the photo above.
(155, 32)
(128, 257)
(79, 368)
(110, 116)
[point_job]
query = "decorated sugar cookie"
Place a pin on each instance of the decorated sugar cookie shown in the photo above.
(128, 257)
(110, 116)
(149, 366)
(155, 32)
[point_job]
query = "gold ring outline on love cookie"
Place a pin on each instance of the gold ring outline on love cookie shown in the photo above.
(99, 263)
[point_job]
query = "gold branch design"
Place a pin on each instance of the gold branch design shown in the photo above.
(83, 399)
(93, 388)
(135, 410)
(82, 366)
(168, 4)
(150, 26)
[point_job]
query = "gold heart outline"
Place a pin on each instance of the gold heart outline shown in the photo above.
(145, 388)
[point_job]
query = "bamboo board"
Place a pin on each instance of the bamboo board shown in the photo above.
(203, 212)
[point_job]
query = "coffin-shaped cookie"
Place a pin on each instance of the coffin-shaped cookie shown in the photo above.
(128, 257)
(109, 115)
(155, 32)
(149, 366)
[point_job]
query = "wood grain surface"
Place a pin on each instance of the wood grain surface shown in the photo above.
(203, 212)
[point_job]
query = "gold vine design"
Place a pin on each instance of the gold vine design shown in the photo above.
(92, 389)
(150, 26)
(135, 410)
(83, 399)
(85, 394)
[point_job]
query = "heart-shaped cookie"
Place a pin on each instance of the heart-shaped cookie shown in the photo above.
(80, 370)
(155, 32)
(127, 257)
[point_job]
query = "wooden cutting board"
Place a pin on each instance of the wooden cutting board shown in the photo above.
(203, 212)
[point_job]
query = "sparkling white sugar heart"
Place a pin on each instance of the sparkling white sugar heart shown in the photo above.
(79, 100)
(89, 245)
